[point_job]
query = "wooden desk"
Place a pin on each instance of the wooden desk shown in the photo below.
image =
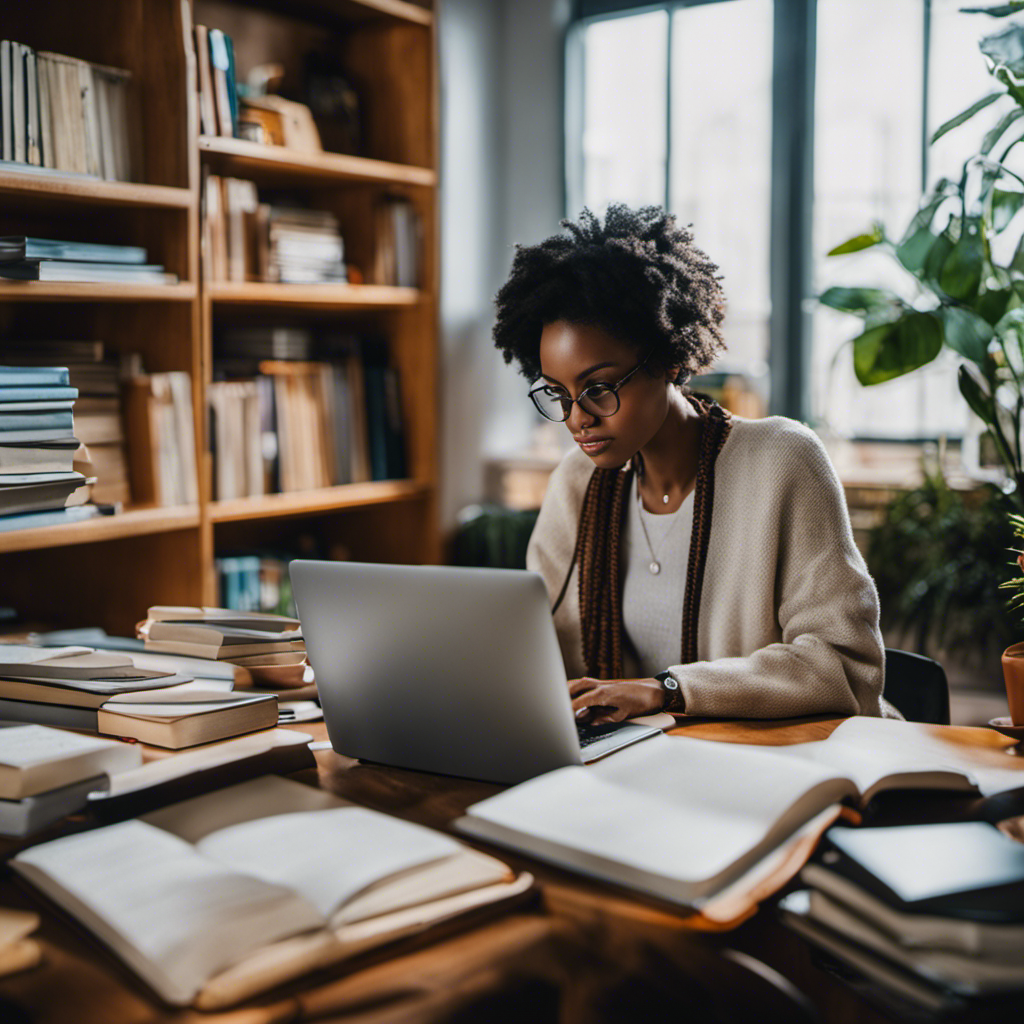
(583, 945)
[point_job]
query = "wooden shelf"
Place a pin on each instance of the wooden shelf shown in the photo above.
(328, 499)
(238, 158)
(94, 291)
(75, 188)
(133, 523)
(313, 296)
(353, 10)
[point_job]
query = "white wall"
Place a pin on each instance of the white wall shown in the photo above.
(501, 183)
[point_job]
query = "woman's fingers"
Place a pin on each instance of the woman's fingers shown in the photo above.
(578, 686)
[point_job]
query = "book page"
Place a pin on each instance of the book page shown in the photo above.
(328, 856)
(22, 746)
(686, 811)
(872, 749)
(176, 917)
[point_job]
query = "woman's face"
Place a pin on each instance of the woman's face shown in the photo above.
(575, 356)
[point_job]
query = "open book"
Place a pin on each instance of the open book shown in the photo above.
(682, 818)
(231, 893)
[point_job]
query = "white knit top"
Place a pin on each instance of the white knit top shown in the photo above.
(652, 605)
(788, 619)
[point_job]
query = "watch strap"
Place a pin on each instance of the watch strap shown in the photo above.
(674, 701)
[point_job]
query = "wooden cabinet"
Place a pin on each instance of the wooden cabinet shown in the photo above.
(106, 571)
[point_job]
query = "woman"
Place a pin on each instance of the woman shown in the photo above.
(697, 562)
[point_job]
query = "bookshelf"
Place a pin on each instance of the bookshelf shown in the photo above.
(107, 570)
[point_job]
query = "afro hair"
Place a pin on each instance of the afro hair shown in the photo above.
(638, 277)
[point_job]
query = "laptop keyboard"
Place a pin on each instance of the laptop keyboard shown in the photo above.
(592, 733)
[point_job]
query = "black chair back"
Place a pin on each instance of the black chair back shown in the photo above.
(916, 686)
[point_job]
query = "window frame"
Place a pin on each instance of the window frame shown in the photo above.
(792, 172)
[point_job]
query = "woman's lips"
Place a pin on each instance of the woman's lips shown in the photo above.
(593, 446)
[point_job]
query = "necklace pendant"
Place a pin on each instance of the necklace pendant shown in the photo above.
(655, 568)
(664, 499)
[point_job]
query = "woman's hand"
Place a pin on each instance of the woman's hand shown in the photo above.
(599, 701)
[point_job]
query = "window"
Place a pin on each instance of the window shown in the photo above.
(675, 107)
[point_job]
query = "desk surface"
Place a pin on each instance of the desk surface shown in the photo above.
(419, 981)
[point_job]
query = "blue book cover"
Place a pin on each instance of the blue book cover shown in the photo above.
(33, 376)
(35, 394)
(53, 517)
(35, 420)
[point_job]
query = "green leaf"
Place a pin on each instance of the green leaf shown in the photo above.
(1004, 206)
(960, 277)
(991, 305)
(993, 135)
(1017, 262)
(914, 251)
(859, 300)
(999, 11)
(1005, 48)
(891, 350)
(975, 391)
(1011, 329)
(965, 332)
(858, 242)
(937, 256)
(966, 115)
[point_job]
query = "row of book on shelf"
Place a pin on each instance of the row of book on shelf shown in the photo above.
(249, 240)
(66, 114)
(283, 420)
(81, 430)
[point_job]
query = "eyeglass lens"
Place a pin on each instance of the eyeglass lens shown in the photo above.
(555, 405)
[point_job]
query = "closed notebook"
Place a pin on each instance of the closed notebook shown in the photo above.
(87, 693)
(214, 899)
(74, 662)
(964, 869)
(34, 759)
(185, 718)
(222, 616)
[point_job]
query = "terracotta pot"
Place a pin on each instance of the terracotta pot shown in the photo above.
(1013, 676)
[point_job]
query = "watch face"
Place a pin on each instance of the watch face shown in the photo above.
(670, 684)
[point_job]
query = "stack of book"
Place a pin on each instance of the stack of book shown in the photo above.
(66, 114)
(105, 692)
(269, 647)
(304, 247)
(46, 774)
(247, 240)
(161, 438)
(45, 259)
(37, 448)
(932, 913)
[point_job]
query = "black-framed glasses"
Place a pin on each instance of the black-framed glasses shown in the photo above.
(599, 400)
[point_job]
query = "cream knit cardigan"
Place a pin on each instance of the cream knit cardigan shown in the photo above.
(788, 621)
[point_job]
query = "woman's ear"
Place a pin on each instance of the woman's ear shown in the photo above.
(673, 372)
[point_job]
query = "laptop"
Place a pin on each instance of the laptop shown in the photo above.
(448, 670)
